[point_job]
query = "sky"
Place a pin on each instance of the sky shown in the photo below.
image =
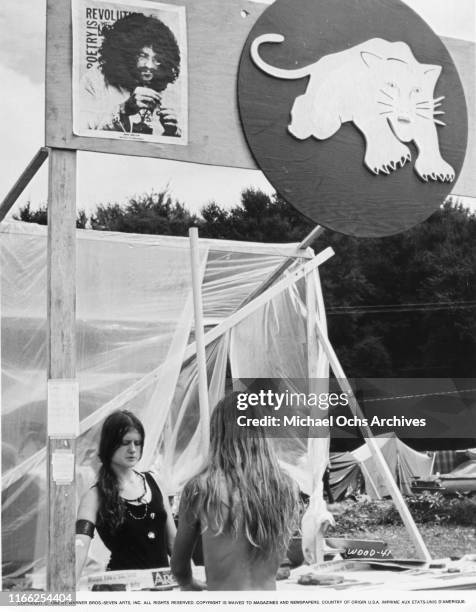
(109, 178)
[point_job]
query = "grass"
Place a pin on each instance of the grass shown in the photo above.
(440, 526)
(441, 540)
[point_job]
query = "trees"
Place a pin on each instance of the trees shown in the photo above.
(154, 213)
(40, 216)
(257, 218)
(403, 306)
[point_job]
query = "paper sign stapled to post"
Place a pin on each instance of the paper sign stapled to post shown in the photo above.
(63, 408)
(62, 466)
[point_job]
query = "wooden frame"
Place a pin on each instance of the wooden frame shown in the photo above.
(23, 180)
(215, 134)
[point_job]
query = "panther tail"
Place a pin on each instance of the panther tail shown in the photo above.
(279, 73)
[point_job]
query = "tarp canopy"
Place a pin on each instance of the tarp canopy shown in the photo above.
(134, 322)
(465, 470)
(404, 463)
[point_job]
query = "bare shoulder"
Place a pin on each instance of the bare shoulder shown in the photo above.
(191, 493)
(89, 505)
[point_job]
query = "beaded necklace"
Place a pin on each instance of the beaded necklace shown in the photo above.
(137, 501)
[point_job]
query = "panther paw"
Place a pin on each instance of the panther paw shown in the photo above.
(434, 169)
(387, 161)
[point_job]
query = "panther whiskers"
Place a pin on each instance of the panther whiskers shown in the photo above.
(433, 104)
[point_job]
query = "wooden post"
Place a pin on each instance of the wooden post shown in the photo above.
(200, 338)
(25, 177)
(61, 308)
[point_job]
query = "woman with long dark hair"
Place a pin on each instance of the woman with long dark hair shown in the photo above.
(126, 507)
(244, 506)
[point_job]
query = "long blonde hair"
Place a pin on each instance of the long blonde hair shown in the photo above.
(243, 489)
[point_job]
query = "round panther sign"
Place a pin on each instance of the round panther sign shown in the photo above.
(354, 111)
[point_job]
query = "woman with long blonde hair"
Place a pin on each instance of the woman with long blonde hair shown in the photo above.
(244, 506)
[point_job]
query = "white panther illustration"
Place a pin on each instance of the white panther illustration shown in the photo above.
(383, 90)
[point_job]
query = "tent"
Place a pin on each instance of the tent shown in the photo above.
(134, 332)
(404, 462)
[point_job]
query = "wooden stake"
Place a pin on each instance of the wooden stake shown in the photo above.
(316, 515)
(25, 177)
(415, 536)
(61, 302)
(200, 339)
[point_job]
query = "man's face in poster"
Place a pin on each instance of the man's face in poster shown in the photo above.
(139, 51)
(149, 67)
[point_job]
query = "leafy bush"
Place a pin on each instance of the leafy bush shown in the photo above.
(429, 508)
(435, 508)
(354, 516)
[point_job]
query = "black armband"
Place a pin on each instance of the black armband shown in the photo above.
(84, 527)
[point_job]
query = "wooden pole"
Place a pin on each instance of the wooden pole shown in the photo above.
(61, 308)
(422, 550)
(1, 432)
(273, 277)
(316, 515)
(200, 339)
(25, 177)
(318, 382)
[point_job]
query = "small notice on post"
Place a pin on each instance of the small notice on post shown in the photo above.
(63, 408)
(62, 467)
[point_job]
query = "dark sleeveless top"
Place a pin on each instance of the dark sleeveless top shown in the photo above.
(140, 542)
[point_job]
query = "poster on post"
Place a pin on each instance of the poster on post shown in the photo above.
(130, 71)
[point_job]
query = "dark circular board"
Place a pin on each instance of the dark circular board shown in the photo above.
(326, 179)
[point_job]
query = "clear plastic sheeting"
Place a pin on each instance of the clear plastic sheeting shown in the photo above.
(134, 322)
(182, 443)
(272, 344)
